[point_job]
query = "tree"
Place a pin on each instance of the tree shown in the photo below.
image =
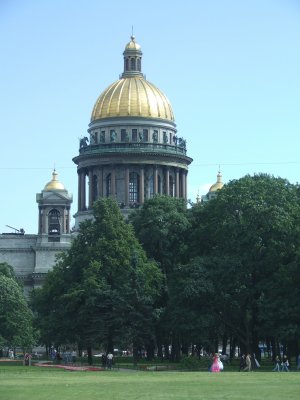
(162, 225)
(15, 315)
(252, 225)
(103, 288)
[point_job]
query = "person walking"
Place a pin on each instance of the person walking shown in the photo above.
(285, 365)
(277, 365)
(103, 360)
(254, 363)
(109, 360)
(248, 363)
(242, 362)
(216, 364)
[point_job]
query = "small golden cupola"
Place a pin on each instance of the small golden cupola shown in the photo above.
(218, 185)
(54, 184)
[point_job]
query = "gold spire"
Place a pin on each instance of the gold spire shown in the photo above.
(54, 184)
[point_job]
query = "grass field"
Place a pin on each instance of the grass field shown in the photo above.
(34, 383)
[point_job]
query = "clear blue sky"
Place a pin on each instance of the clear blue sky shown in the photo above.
(231, 70)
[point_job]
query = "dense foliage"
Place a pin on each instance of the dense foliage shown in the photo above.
(223, 272)
(15, 315)
(102, 291)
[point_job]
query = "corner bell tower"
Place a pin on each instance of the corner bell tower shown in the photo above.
(54, 211)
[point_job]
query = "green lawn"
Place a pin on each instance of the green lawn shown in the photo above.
(34, 383)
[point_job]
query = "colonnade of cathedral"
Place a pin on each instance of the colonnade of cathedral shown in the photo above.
(129, 185)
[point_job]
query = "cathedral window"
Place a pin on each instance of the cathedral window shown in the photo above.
(102, 137)
(108, 185)
(124, 135)
(132, 64)
(133, 187)
(145, 135)
(151, 186)
(171, 186)
(54, 222)
(134, 135)
(139, 64)
(159, 184)
(94, 188)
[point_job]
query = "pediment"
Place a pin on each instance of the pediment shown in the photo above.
(55, 196)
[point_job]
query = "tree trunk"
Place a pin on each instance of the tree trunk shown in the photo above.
(175, 351)
(90, 358)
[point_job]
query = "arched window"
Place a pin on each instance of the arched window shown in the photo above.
(126, 64)
(151, 186)
(95, 188)
(134, 190)
(159, 189)
(139, 64)
(54, 222)
(108, 185)
(132, 64)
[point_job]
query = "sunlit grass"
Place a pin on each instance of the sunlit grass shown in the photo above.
(34, 383)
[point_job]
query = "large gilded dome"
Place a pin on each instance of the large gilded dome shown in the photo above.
(132, 95)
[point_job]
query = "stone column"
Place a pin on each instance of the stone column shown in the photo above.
(167, 181)
(113, 183)
(126, 188)
(155, 180)
(186, 173)
(83, 192)
(90, 189)
(100, 183)
(183, 179)
(142, 185)
(177, 183)
(79, 190)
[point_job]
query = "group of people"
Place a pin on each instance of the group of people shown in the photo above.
(283, 365)
(107, 360)
(248, 363)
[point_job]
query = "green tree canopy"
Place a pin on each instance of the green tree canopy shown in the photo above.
(15, 315)
(253, 224)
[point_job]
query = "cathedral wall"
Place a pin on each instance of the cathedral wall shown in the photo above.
(18, 251)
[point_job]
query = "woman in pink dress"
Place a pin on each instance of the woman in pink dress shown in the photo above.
(215, 365)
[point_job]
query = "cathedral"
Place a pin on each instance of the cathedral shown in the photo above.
(132, 152)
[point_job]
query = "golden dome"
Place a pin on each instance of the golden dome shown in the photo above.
(218, 185)
(132, 97)
(132, 45)
(54, 184)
